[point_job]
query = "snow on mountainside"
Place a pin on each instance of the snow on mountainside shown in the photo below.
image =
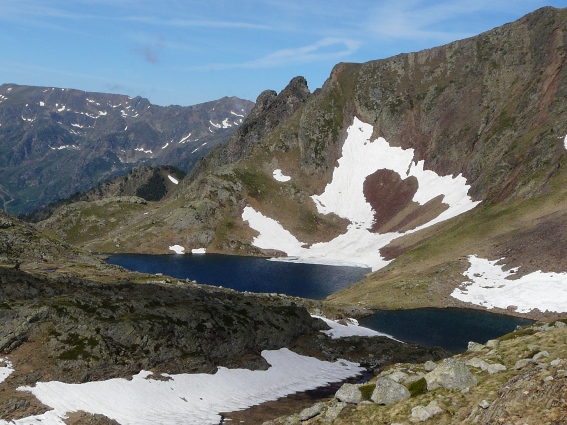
(345, 196)
(56, 142)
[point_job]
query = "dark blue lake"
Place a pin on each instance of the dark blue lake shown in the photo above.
(450, 328)
(247, 273)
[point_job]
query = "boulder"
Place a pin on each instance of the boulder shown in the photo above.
(475, 346)
(423, 413)
(520, 364)
(495, 368)
(540, 355)
(311, 412)
(429, 365)
(398, 376)
(451, 374)
(349, 393)
(478, 363)
(388, 392)
(333, 411)
(493, 343)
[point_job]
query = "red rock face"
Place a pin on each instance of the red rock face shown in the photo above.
(391, 198)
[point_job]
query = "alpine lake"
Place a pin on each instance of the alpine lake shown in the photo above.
(450, 328)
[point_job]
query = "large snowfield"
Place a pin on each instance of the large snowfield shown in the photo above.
(191, 399)
(344, 196)
(489, 286)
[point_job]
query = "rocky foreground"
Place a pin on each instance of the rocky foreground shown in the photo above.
(518, 379)
(73, 330)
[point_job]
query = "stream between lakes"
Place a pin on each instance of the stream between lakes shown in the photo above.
(450, 328)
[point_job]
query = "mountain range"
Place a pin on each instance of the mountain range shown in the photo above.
(55, 142)
(441, 171)
(414, 166)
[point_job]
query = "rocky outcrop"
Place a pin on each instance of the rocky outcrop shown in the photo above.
(535, 394)
(96, 331)
(21, 245)
(271, 109)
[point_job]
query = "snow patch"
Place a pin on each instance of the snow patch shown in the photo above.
(238, 115)
(489, 286)
(185, 139)
(226, 124)
(141, 149)
(178, 249)
(5, 371)
(73, 147)
(165, 146)
(361, 157)
(41, 103)
(214, 125)
(344, 196)
(351, 328)
(199, 251)
(565, 142)
(61, 109)
(188, 398)
(173, 179)
(280, 177)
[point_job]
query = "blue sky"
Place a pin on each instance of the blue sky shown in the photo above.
(189, 52)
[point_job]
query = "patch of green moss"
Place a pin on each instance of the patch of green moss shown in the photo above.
(367, 390)
(417, 387)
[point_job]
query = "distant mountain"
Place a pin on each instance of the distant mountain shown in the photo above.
(55, 142)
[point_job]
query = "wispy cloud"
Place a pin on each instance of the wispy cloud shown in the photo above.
(325, 49)
(204, 23)
(437, 21)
